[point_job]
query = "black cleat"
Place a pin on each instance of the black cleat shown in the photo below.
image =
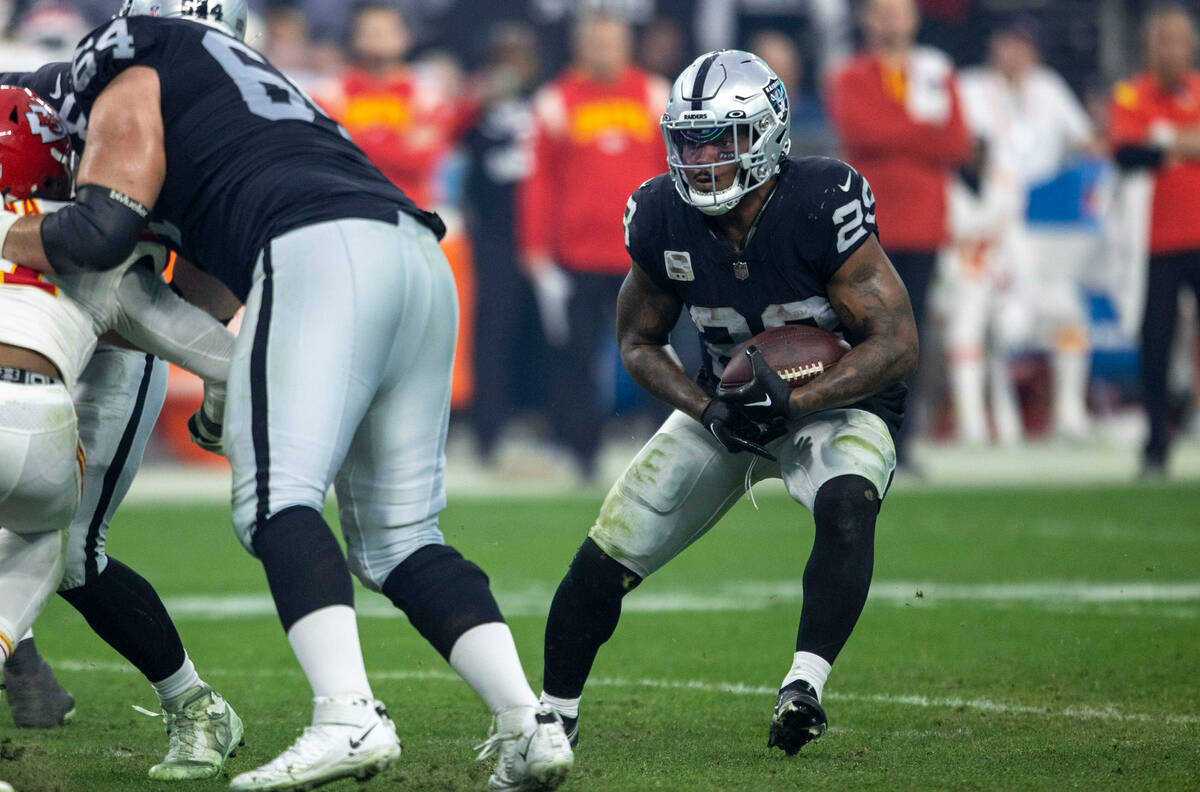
(571, 727)
(798, 718)
(36, 699)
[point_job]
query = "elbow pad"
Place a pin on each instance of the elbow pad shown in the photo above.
(95, 233)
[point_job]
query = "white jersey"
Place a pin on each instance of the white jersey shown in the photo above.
(61, 316)
(35, 314)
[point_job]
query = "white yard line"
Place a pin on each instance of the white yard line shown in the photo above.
(1176, 599)
(1078, 713)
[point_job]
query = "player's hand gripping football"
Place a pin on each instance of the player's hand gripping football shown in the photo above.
(765, 398)
(735, 432)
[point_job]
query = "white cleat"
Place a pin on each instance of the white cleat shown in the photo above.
(535, 754)
(202, 732)
(351, 737)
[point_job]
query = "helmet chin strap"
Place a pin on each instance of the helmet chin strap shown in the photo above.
(716, 210)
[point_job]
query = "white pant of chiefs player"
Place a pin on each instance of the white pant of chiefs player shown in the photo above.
(53, 325)
(683, 480)
(40, 476)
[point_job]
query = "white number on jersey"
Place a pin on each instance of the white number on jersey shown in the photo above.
(115, 37)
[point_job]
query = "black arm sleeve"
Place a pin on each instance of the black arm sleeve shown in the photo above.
(1134, 157)
(95, 233)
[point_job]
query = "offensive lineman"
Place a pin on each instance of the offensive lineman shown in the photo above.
(117, 398)
(745, 238)
(341, 373)
(48, 330)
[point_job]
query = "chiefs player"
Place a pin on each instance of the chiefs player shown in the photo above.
(48, 332)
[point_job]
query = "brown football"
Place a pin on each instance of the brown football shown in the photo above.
(798, 353)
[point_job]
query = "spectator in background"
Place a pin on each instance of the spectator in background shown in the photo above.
(499, 156)
(408, 119)
(663, 48)
(780, 52)
(1155, 124)
(1004, 279)
(596, 140)
(403, 118)
(809, 127)
(287, 46)
(896, 111)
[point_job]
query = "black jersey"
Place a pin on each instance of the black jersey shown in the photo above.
(249, 155)
(819, 214)
(52, 83)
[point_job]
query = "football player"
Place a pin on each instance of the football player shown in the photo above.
(48, 330)
(118, 397)
(340, 375)
(744, 238)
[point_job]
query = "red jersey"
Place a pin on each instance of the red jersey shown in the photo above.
(1139, 109)
(403, 123)
(906, 159)
(595, 143)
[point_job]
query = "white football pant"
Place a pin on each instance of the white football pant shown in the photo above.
(341, 375)
(118, 398)
(683, 480)
(40, 476)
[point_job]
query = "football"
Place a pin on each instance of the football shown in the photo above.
(798, 353)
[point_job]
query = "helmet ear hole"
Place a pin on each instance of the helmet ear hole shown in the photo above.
(13, 117)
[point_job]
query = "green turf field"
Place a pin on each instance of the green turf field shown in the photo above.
(1023, 639)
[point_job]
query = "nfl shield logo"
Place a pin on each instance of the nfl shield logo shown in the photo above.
(741, 270)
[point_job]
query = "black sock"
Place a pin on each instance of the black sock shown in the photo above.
(443, 595)
(305, 568)
(125, 610)
(838, 574)
(583, 616)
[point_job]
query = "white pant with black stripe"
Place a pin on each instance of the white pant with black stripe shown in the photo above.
(118, 399)
(341, 375)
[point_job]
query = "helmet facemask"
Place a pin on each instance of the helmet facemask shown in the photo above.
(725, 129)
(715, 164)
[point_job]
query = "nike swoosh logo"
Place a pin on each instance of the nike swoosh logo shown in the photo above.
(764, 403)
(57, 92)
(356, 743)
(849, 178)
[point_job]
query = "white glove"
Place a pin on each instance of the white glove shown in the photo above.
(552, 289)
(97, 292)
(206, 424)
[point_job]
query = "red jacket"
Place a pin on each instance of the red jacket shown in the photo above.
(402, 123)
(595, 143)
(907, 161)
(1137, 106)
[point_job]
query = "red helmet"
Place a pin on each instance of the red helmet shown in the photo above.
(35, 148)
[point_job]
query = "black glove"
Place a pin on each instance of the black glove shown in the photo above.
(1134, 157)
(765, 398)
(735, 432)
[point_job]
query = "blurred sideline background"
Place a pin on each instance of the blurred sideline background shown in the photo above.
(444, 95)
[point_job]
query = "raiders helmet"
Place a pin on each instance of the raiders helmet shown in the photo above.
(35, 149)
(733, 100)
(228, 16)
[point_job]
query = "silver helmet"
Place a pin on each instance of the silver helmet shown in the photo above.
(732, 104)
(228, 16)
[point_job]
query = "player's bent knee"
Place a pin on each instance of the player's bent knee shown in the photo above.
(372, 556)
(443, 595)
(846, 507)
